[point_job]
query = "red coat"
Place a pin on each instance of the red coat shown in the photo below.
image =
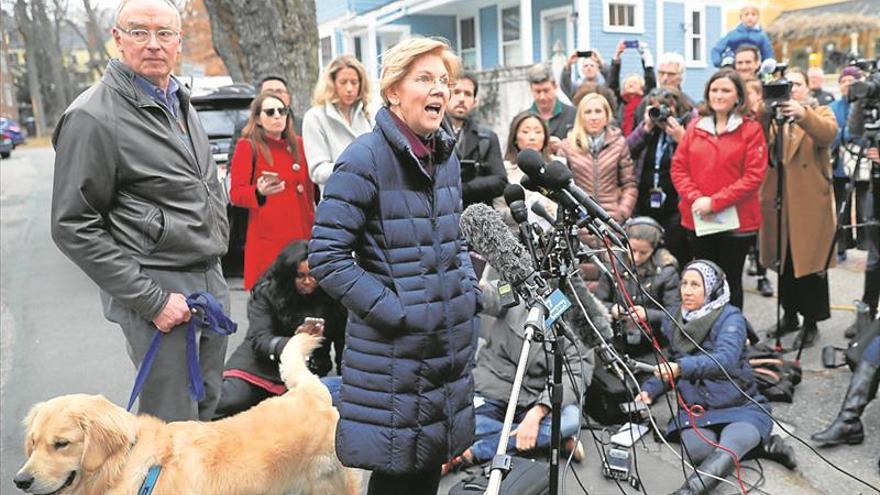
(728, 168)
(279, 219)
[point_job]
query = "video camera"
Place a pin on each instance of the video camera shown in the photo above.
(776, 88)
(864, 116)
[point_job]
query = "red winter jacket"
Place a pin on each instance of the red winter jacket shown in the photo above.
(728, 168)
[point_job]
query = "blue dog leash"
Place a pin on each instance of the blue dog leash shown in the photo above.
(207, 314)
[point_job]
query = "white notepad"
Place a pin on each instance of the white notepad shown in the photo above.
(724, 220)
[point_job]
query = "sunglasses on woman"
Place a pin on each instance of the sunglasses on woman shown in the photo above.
(270, 112)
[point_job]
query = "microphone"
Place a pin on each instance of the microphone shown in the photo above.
(538, 209)
(530, 162)
(515, 197)
(767, 68)
(558, 176)
(488, 235)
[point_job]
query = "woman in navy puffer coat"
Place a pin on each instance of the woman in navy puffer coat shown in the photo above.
(394, 201)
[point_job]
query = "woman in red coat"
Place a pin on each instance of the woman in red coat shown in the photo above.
(720, 163)
(272, 183)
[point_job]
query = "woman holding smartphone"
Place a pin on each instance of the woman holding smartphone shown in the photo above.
(285, 301)
(270, 177)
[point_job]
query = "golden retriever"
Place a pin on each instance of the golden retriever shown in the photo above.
(84, 444)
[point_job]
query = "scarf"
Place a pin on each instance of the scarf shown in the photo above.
(595, 144)
(698, 323)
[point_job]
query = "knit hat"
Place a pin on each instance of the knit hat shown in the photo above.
(850, 70)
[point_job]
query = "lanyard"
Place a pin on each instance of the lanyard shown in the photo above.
(662, 144)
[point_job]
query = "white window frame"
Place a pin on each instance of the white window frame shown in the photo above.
(638, 13)
(689, 60)
(476, 48)
(402, 30)
(553, 14)
(501, 42)
(321, 50)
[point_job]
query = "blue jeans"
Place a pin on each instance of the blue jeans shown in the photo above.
(490, 419)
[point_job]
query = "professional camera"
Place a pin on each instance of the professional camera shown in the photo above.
(776, 88)
(864, 116)
(659, 114)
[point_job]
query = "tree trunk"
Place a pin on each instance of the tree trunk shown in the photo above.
(239, 30)
(96, 39)
(26, 28)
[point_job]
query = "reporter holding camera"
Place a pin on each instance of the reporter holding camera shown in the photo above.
(591, 70)
(653, 144)
(631, 96)
(719, 164)
(808, 216)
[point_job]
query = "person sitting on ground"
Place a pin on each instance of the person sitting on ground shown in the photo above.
(748, 31)
(280, 302)
(634, 87)
(503, 330)
(657, 272)
(708, 340)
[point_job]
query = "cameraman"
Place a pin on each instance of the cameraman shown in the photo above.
(653, 145)
(808, 218)
(482, 170)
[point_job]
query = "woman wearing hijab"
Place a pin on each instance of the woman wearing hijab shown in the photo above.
(725, 417)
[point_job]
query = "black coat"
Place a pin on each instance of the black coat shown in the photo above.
(482, 168)
(270, 327)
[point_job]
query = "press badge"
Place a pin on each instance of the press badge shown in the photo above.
(657, 197)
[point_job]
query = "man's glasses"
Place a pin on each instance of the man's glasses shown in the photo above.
(270, 112)
(142, 36)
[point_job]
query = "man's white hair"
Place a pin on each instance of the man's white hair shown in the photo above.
(123, 3)
(673, 58)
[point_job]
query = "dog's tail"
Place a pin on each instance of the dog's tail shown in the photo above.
(293, 358)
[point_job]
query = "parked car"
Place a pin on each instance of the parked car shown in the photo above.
(13, 130)
(6, 144)
(221, 110)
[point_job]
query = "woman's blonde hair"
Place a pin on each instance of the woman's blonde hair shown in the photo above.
(397, 60)
(578, 134)
(325, 88)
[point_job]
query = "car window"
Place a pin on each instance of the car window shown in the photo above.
(221, 122)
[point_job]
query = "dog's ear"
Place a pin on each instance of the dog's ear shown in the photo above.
(28, 423)
(108, 429)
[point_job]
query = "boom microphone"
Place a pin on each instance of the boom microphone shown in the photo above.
(488, 235)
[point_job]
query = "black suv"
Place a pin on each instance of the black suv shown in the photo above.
(221, 110)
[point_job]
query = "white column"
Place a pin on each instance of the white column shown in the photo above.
(525, 31)
(583, 25)
(371, 58)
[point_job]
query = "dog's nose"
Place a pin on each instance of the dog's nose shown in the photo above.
(23, 481)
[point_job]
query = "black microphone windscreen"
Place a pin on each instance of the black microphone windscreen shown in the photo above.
(538, 209)
(530, 162)
(514, 192)
(556, 175)
(488, 235)
(528, 183)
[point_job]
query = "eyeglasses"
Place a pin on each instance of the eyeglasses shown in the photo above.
(270, 112)
(429, 82)
(667, 73)
(142, 36)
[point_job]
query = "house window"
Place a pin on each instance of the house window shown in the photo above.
(358, 50)
(556, 31)
(695, 37)
(326, 50)
(512, 51)
(467, 31)
(623, 16)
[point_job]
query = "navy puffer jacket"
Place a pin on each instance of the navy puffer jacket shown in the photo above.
(407, 390)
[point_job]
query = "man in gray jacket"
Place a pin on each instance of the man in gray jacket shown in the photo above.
(137, 205)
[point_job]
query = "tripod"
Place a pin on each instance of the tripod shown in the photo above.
(776, 160)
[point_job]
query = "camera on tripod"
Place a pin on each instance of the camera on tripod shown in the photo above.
(864, 119)
(775, 88)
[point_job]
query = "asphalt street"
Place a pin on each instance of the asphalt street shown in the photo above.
(54, 340)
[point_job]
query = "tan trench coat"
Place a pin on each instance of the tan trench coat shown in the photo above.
(808, 196)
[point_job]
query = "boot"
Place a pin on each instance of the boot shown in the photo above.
(847, 426)
(790, 324)
(863, 320)
(808, 334)
(719, 464)
(752, 269)
(777, 450)
(765, 287)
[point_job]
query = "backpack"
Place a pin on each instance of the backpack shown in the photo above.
(526, 477)
(775, 376)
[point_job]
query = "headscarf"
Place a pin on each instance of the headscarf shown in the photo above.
(695, 325)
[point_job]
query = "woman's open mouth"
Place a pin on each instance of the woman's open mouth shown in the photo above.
(434, 108)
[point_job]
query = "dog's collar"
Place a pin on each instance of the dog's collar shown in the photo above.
(150, 481)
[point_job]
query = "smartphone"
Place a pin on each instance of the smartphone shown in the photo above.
(631, 43)
(311, 320)
(628, 434)
(585, 53)
(270, 176)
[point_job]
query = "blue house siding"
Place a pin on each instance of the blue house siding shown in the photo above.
(326, 11)
(537, 7)
(489, 36)
(432, 25)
